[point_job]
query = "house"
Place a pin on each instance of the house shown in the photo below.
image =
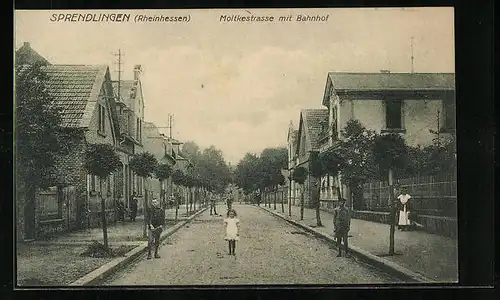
(160, 146)
(84, 95)
(311, 128)
(410, 104)
(130, 113)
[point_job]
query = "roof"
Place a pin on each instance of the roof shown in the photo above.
(360, 82)
(313, 120)
(26, 55)
(75, 89)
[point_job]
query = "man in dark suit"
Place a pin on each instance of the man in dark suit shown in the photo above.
(341, 225)
(156, 223)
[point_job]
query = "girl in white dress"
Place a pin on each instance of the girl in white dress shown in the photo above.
(232, 230)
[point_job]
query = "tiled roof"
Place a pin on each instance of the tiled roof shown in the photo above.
(313, 120)
(389, 82)
(74, 88)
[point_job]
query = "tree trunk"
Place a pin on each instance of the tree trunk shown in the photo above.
(30, 213)
(302, 203)
(191, 199)
(275, 194)
(103, 216)
(393, 213)
(282, 202)
(146, 213)
(318, 205)
(176, 203)
(290, 200)
(187, 202)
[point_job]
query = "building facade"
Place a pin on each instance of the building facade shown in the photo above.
(130, 115)
(410, 104)
(311, 127)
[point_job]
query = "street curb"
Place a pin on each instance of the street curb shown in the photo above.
(385, 264)
(100, 274)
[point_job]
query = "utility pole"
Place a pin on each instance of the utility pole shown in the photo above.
(119, 71)
(412, 57)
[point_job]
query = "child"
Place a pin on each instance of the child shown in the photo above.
(232, 230)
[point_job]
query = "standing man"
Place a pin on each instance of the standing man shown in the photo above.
(133, 207)
(212, 205)
(341, 225)
(156, 223)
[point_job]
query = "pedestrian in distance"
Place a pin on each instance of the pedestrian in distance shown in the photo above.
(133, 207)
(232, 224)
(341, 225)
(121, 210)
(229, 202)
(212, 206)
(156, 223)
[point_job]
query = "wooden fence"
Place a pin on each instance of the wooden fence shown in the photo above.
(435, 195)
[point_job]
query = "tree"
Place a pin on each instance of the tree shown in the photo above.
(299, 175)
(178, 178)
(101, 160)
(389, 152)
(272, 161)
(189, 184)
(144, 165)
(316, 170)
(163, 172)
(39, 139)
(355, 158)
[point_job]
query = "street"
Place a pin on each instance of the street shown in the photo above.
(270, 251)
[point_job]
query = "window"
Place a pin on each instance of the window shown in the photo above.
(138, 132)
(108, 184)
(393, 115)
(138, 184)
(102, 119)
(92, 183)
(449, 114)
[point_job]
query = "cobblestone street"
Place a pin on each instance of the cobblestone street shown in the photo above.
(270, 252)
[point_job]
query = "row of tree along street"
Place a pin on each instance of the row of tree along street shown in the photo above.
(208, 173)
(41, 138)
(359, 156)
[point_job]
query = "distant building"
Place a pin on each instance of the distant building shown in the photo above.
(311, 127)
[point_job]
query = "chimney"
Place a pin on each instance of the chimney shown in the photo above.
(137, 71)
(26, 44)
(385, 71)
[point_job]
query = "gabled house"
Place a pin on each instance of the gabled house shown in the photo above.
(311, 127)
(84, 96)
(410, 104)
(130, 113)
(160, 146)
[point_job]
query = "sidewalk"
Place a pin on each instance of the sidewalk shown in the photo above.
(432, 256)
(57, 261)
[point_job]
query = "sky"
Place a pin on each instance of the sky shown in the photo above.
(238, 86)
